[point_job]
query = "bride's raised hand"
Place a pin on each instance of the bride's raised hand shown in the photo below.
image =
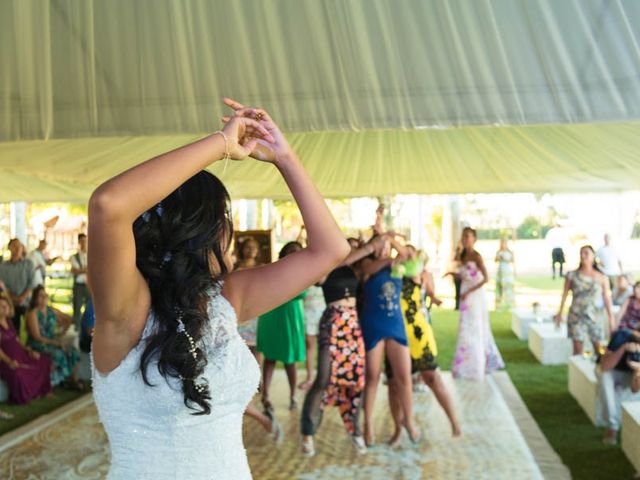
(262, 149)
(242, 135)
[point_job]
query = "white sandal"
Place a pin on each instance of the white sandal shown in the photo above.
(308, 449)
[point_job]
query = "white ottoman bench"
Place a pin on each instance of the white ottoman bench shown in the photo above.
(631, 432)
(549, 344)
(583, 385)
(521, 318)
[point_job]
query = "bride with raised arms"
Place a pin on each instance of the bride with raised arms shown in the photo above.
(171, 375)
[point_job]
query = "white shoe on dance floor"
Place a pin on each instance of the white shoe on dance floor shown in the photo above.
(308, 450)
(359, 444)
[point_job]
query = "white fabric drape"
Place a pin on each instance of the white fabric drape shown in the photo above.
(363, 81)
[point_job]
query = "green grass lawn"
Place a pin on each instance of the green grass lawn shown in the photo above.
(544, 391)
(540, 282)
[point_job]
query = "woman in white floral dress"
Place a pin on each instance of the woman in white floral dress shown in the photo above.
(476, 351)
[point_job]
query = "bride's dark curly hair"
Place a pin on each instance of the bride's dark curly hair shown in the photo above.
(176, 242)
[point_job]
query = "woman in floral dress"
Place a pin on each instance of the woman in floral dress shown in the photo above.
(476, 352)
(590, 289)
(42, 323)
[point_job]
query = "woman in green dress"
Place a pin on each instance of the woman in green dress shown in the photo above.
(281, 339)
(43, 322)
(505, 277)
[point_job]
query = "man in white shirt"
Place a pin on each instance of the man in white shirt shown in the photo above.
(40, 261)
(609, 261)
(79, 271)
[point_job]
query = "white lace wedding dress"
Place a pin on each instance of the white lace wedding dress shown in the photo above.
(153, 435)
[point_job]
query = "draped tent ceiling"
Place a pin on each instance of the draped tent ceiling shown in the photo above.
(376, 96)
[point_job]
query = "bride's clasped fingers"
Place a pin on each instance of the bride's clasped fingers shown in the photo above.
(269, 152)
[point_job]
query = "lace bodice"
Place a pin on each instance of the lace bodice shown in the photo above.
(152, 433)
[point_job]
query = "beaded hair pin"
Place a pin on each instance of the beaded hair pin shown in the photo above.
(200, 387)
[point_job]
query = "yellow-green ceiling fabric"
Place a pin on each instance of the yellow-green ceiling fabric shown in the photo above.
(379, 96)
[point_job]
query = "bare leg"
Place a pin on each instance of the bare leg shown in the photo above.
(400, 361)
(267, 374)
(396, 413)
(256, 414)
(433, 379)
(577, 347)
(290, 368)
(310, 342)
(372, 369)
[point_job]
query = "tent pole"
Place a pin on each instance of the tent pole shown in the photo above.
(18, 214)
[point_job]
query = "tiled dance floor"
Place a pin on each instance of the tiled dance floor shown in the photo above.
(72, 444)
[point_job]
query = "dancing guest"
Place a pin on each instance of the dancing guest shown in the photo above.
(172, 377)
(281, 339)
(476, 353)
(247, 257)
(26, 372)
(622, 291)
(589, 287)
(314, 306)
(455, 276)
(341, 354)
(422, 348)
(427, 285)
(384, 334)
(47, 327)
(630, 311)
(505, 277)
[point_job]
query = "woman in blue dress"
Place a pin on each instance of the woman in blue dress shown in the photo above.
(384, 333)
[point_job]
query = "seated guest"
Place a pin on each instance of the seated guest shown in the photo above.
(629, 314)
(42, 323)
(18, 277)
(27, 373)
(622, 291)
(619, 379)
